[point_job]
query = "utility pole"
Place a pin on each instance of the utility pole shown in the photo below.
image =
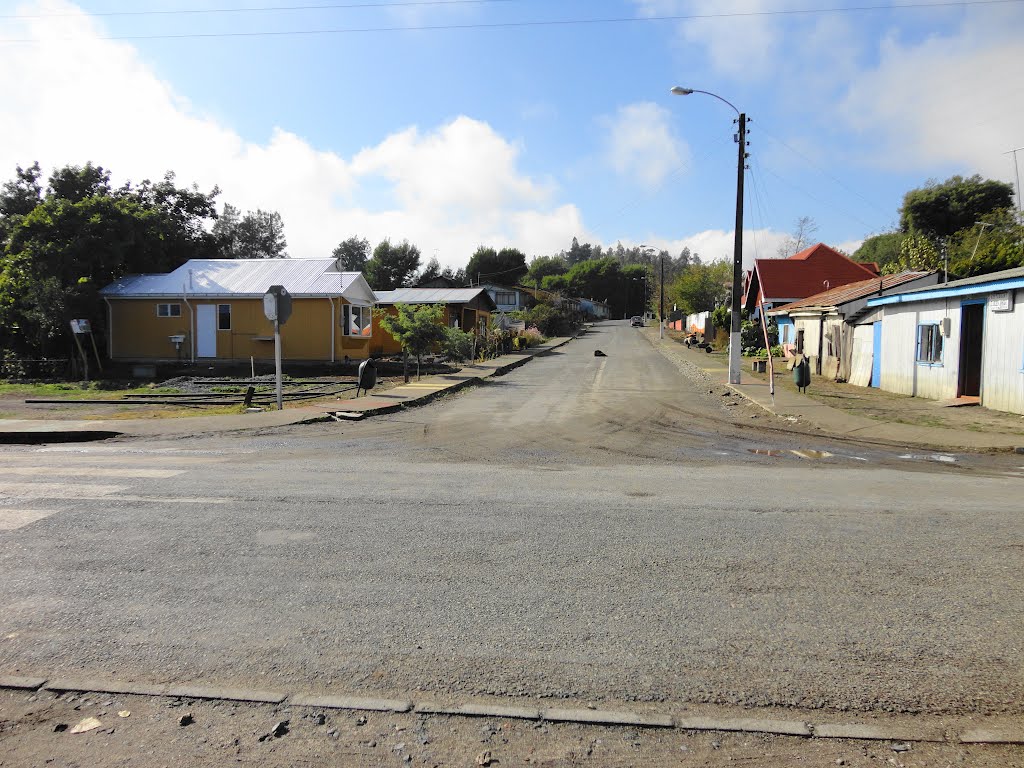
(1016, 173)
(737, 256)
(661, 311)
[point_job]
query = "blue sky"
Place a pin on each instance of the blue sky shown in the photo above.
(454, 124)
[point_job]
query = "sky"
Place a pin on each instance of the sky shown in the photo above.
(523, 123)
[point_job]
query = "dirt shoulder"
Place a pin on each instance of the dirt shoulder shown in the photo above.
(37, 729)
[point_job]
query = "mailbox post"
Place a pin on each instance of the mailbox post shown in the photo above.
(277, 306)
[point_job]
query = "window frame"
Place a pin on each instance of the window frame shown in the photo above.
(170, 310)
(498, 295)
(932, 356)
(220, 316)
(365, 315)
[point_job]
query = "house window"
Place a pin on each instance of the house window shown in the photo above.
(355, 320)
(505, 297)
(223, 317)
(785, 334)
(800, 341)
(168, 310)
(929, 343)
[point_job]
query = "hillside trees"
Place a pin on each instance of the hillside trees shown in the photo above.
(352, 254)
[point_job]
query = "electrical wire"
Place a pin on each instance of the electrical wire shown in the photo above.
(261, 9)
(528, 24)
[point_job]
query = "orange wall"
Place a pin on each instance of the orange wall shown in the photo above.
(137, 333)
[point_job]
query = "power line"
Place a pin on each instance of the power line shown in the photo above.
(260, 9)
(532, 24)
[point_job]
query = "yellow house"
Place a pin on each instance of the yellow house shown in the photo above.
(465, 308)
(212, 309)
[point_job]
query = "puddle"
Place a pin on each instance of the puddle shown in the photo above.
(801, 453)
(812, 454)
(852, 458)
(939, 457)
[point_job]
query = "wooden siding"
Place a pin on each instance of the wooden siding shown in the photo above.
(1002, 377)
(138, 334)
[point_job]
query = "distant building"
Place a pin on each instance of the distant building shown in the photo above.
(465, 308)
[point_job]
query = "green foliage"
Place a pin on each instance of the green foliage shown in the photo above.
(457, 344)
(881, 249)
(701, 287)
(417, 327)
(543, 266)
(429, 272)
(352, 254)
(940, 210)
(979, 250)
(549, 320)
(505, 267)
(258, 234)
(916, 253)
(392, 266)
(721, 317)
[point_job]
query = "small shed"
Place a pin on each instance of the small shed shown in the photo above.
(959, 340)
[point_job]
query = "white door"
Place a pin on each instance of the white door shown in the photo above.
(206, 330)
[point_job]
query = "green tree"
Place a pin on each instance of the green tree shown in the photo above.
(417, 327)
(702, 287)
(882, 249)
(258, 234)
(995, 243)
(352, 254)
(940, 210)
(506, 266)
(429, 272)
(542, 266)
(18, 198)
(392, 266)
(917, 253)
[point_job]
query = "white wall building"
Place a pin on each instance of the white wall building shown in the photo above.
(963, 339)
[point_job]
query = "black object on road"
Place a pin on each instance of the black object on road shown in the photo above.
(802, 375)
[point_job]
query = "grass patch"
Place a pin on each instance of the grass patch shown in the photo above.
(74, 390)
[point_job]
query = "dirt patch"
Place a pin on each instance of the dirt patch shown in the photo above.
(901, 409)
(36, 729)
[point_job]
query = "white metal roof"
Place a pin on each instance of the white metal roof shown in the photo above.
(242, 278)
(430, 295)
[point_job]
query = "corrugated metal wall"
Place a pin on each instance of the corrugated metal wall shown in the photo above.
(1002, 378)
(900, 370)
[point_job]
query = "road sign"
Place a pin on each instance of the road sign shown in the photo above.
(277, 304)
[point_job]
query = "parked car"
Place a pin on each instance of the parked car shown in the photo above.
(636, 322)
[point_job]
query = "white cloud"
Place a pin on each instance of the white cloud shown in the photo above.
(641, 145)
(947, 100)
(446, 190)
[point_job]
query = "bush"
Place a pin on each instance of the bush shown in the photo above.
(457, 344)
(531, 337)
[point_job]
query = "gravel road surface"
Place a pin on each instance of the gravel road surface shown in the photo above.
(585, 528)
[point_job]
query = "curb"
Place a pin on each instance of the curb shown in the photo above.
(996, 734)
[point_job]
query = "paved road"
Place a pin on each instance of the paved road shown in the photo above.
(586, 527)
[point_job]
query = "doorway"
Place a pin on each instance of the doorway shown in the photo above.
(206, 330)
(972, 321)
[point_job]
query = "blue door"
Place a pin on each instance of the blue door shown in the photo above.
(876, 356)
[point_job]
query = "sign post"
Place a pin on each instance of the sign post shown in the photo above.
(277, 306)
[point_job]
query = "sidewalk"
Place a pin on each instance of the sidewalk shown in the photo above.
(21, 431)
(808, 411)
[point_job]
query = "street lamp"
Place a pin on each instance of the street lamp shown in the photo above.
(737, 251)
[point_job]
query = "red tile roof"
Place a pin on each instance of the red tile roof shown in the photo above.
(813, 270)
(851, 291)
